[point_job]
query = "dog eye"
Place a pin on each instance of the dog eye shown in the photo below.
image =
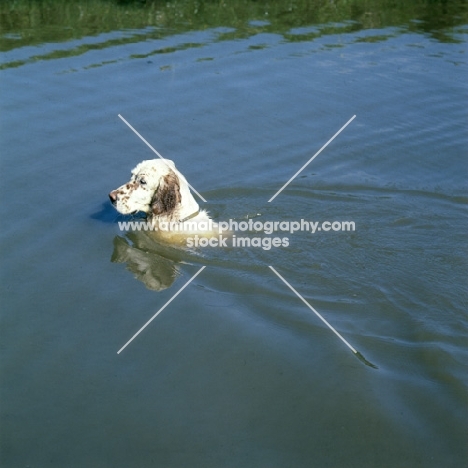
(142, 181)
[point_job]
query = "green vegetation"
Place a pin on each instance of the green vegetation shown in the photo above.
(31, 22)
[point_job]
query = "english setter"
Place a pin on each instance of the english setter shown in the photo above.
(158, 189)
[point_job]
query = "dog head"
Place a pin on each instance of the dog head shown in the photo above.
(157, 188)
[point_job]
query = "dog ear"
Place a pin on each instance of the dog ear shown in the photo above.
(167, 196)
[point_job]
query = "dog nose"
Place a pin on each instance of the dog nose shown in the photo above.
(113, 197)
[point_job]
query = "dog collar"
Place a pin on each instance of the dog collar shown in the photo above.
(190, 216)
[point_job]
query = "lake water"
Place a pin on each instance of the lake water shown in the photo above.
(236, 371)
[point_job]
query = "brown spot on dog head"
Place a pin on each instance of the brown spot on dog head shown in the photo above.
(167, 196)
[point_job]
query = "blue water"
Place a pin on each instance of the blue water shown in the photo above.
(237, 371)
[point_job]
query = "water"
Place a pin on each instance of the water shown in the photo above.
(236, 371)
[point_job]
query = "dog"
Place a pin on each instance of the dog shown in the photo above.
(158, 189)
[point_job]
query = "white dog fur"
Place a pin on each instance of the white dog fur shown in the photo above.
(158, 189)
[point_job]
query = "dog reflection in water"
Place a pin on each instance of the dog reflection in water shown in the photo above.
(143, 260)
